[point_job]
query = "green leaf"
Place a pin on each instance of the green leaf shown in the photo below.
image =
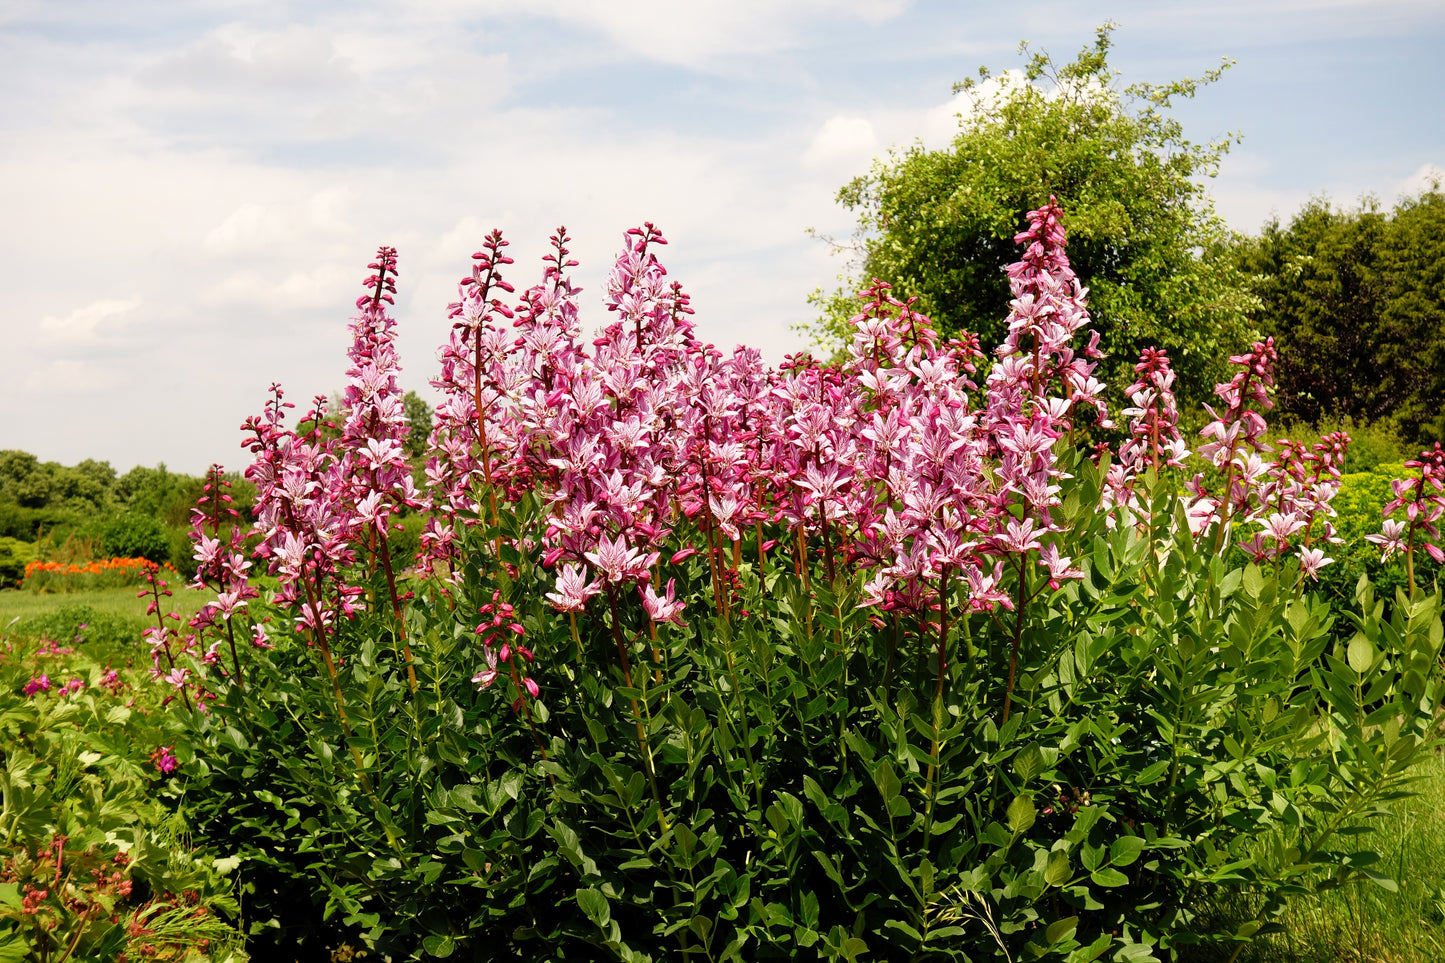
(594, 904)
(1125, 850)
(439, 945)
(1152, 773)
(1253, 580)
(886, 780)
(1135, 953)
(1361, 654)
(808, 911)
(1057, 871)
(1060, 930)
(1028, 763)
(1021, 814)
(904, 928)
(1107, 876)
(14, 948)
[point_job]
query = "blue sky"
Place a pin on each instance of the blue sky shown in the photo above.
(191, 190)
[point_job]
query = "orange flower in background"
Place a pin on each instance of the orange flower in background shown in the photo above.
(100, 573)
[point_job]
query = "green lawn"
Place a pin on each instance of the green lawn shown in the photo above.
(18, 606)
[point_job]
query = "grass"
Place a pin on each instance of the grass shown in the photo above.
(1364, 923)
(18, 606)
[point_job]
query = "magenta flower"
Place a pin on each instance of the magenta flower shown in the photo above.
(1280, 527)
(40, 683)
(619, 561)
(1312, 560)
(164, 759)
(487, 676)
(1058, 565)
(662, 609)
(573, 589)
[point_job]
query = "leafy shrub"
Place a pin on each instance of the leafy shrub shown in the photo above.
(706, 661)
(14, 556)
(137, 536)
(103, 634)
(1358, 507)
(26, 524)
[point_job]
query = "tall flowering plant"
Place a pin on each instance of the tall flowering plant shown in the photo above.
(798, 656)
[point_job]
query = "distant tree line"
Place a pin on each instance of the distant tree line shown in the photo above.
(1356, 299)
(144, 513)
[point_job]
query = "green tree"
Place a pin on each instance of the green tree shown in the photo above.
(146, 491)
(418, 425)
(939, 224)
(23, 480)
(92, 482)
(1356, 299)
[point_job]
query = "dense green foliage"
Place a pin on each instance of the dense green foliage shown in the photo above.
(939, 225)
(14, 556)
(1356, 299)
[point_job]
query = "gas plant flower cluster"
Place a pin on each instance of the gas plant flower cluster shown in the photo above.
(647, 446)
(1423, 500)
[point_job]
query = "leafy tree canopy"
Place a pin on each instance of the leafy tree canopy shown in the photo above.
(1356, 299)
(939, 224)
(30, 483)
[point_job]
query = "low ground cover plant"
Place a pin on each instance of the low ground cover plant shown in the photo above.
(97, 863)
(924, 656)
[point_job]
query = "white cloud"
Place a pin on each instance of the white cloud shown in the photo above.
(1426, 177)
(208, 183)
(92, 322)
(1247, 193)
(841, 138)
(79, 377)
(324, 215)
